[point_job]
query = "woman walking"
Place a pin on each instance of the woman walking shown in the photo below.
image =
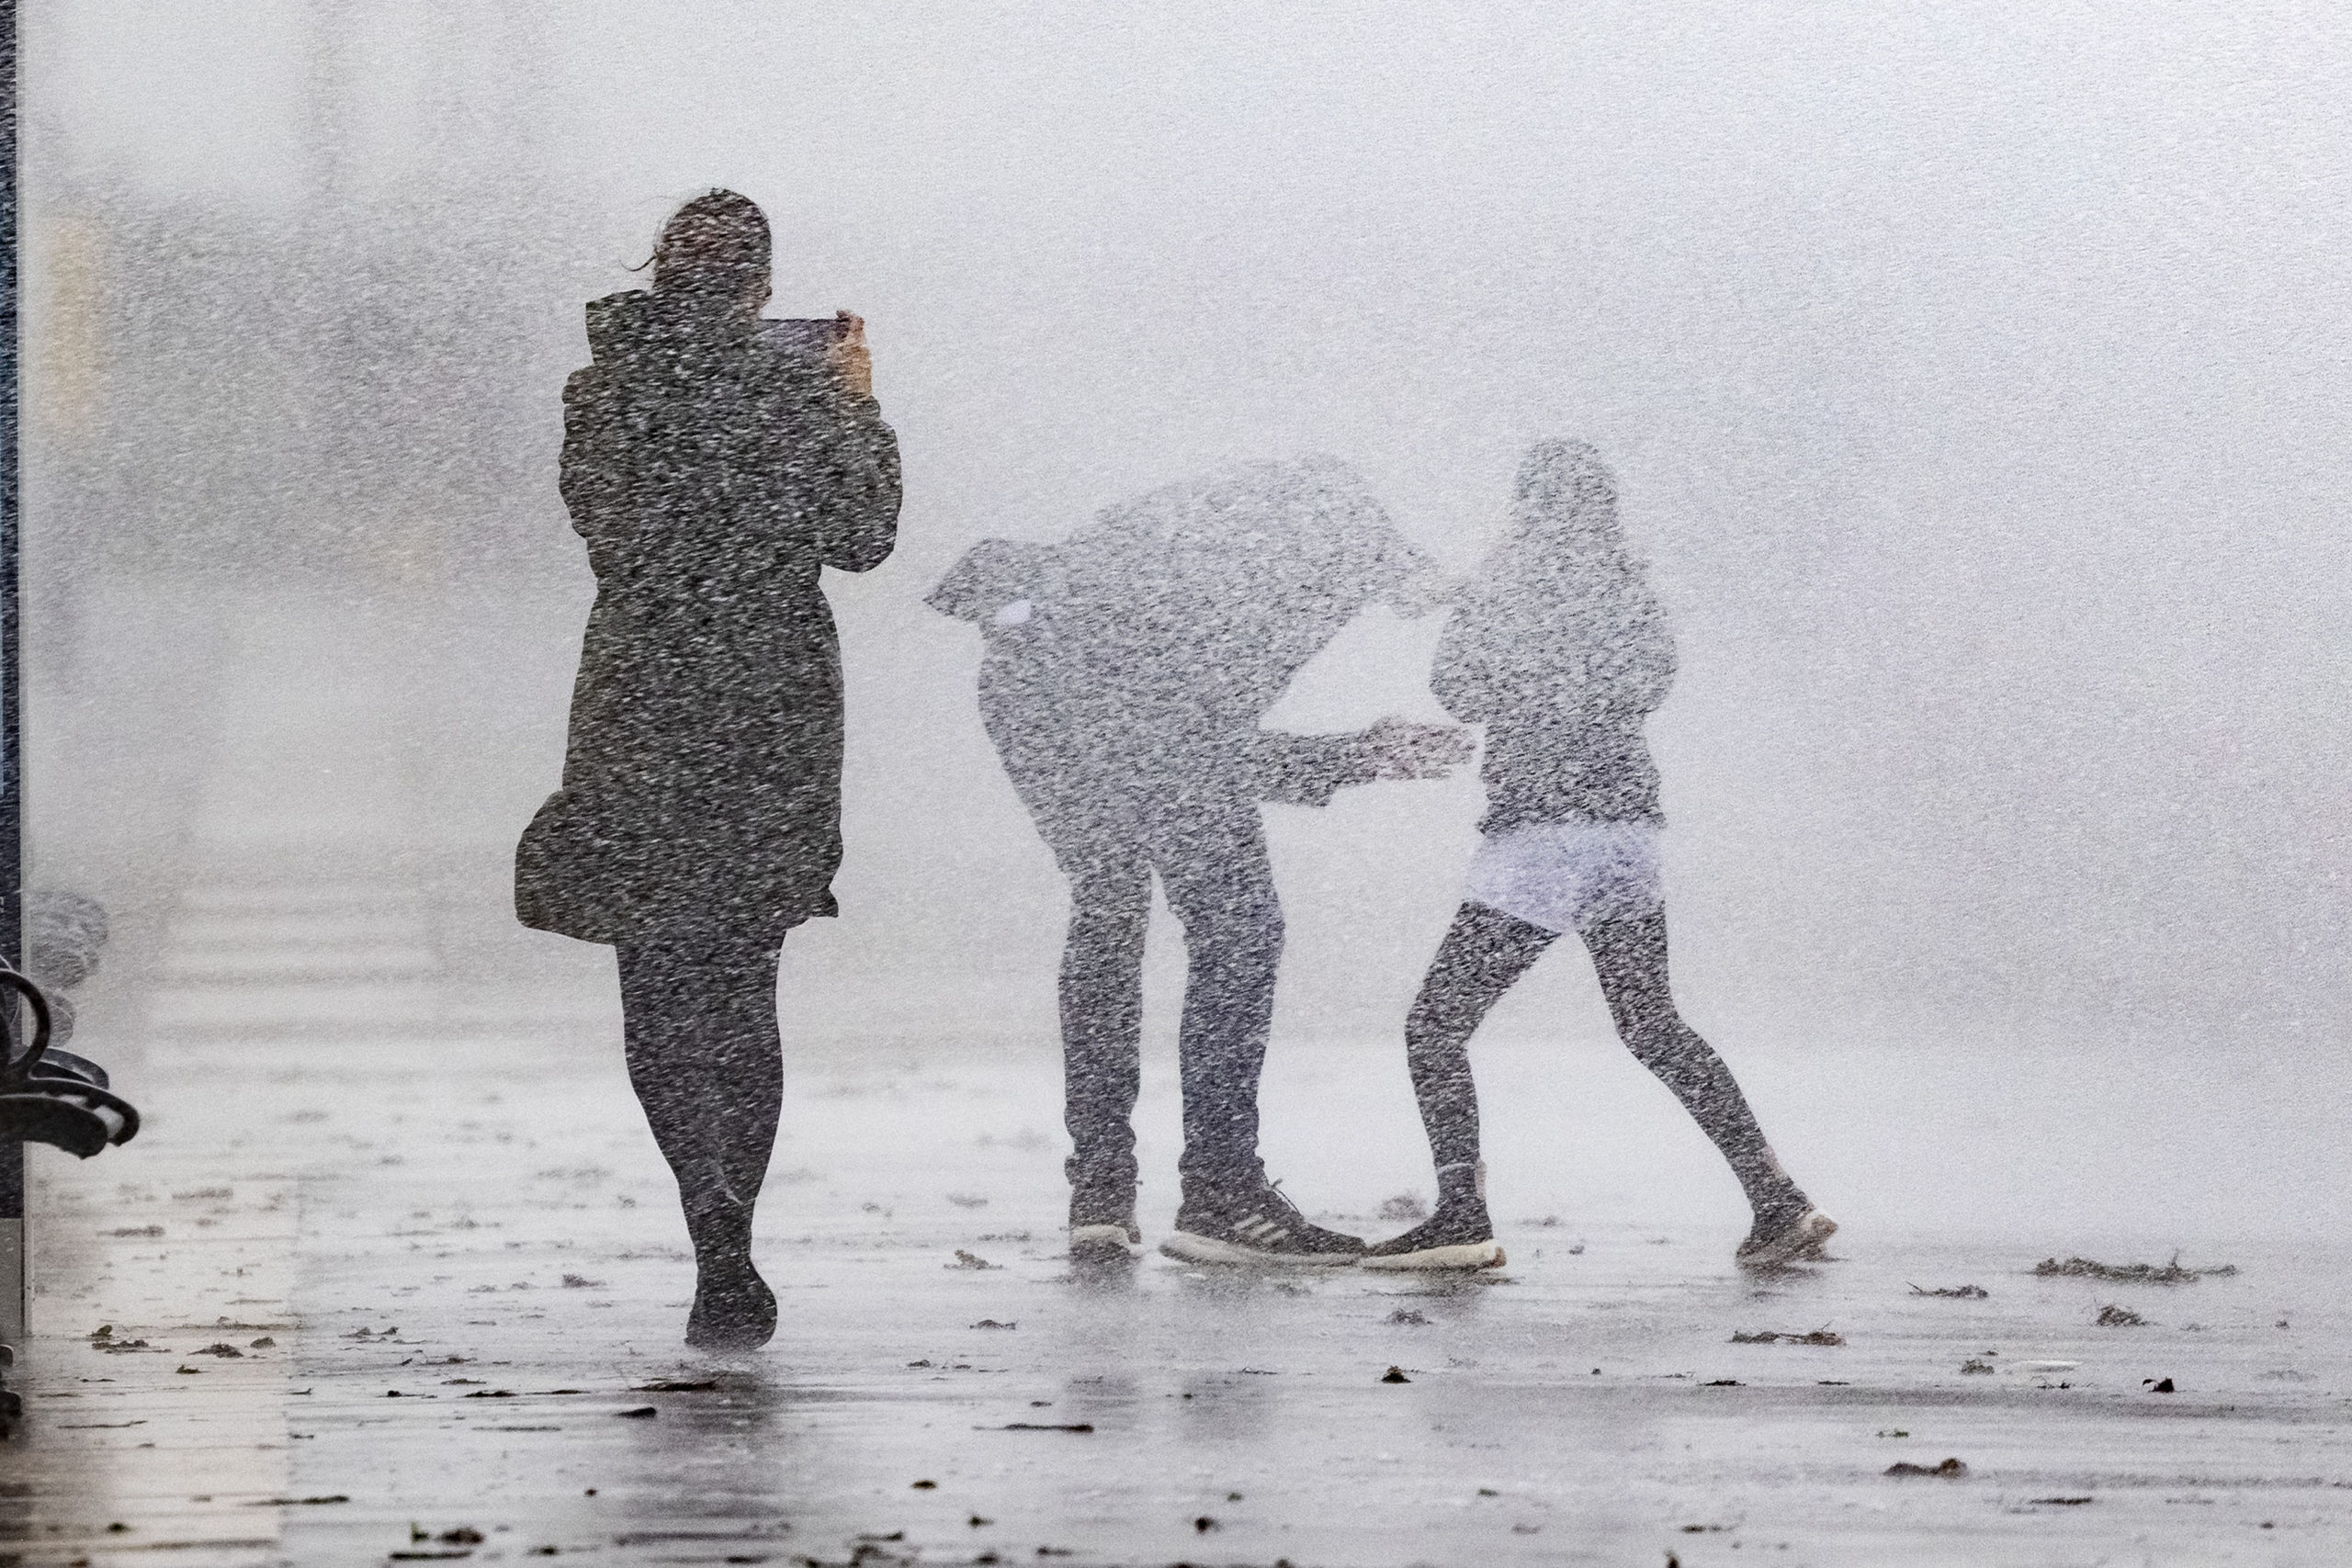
(1562, 651)
(714, 462)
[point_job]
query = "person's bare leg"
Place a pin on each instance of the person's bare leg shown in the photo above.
(1629, 956)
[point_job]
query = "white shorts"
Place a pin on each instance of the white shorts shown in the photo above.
(1562, 875)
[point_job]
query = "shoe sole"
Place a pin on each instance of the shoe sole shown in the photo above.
(1801, 1243)
(1188, 1248)
(1468, 1255)
(1102, 1243)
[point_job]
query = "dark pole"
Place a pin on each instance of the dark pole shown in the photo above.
(12, 766)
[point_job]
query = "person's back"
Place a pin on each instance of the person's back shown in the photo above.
(713, 472)
(1126, 673)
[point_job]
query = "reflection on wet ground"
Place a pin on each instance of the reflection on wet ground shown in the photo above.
(410, 1301)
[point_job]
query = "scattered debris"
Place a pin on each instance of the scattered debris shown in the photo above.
(1976, 1366)
(492, 1394)
(1015, 1237)
(1405, 1206)
(263, 1343)
(1950, 1467)
(971, 1260)
(1961, 1292)
(1394, 1374)
(925, 1486)
(1549, 1221)
(2162, 1385)
(582, 1282)
(977, 1522)
(1773, 1337)
(2171, 1273)
(2060, 1502)
(1042, 1427)
(117, 1347)
(227, 1352)
(991, 1322)
(673, 1386)
(642, 1413)
(1408, 1318)
(1723, 1382)
(966, 1200)
(137, 1230)
(1893, 1432)
(1205, 1523)
(2120, 1317)
(300, 1501)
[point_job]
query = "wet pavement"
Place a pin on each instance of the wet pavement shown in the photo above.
(394, 1274)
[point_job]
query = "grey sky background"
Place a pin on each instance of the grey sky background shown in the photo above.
(1975, 374)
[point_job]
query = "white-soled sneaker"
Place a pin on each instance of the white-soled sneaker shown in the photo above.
(1105, 1243)
(1258, 1228)
(1802, 1240)
(1458, 1236)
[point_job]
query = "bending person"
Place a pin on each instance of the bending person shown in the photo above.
(1125, 674)
(715, 464)
(1561, 650)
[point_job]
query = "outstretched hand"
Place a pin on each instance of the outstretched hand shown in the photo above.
(1400, 749)
(849, 356)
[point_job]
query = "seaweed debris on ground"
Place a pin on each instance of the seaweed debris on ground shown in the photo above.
(1773, 1337)
(1959, 1293)
(2171, 1273)
(1950, 1467)
(2120, 1317)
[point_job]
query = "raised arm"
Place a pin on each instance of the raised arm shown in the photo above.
(860, 509)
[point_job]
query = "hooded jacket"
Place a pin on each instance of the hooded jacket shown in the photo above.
(1562, 657)
(713, 466)
(1131, 664)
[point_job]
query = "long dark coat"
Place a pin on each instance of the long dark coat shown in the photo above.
(713, 468)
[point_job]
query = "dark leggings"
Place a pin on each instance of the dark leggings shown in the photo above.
(703, 1054)
(1483, 956)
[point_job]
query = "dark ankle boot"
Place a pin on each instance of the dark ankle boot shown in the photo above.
(734, 1309)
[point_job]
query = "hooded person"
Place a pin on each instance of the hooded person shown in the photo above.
(1561, 650)
(1124, 673)
(714, 463)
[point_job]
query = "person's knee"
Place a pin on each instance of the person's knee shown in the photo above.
(1242, 938)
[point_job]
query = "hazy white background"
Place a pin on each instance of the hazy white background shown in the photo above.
(1976, 375)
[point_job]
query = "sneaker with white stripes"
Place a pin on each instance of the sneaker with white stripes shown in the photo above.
(1255, 1227)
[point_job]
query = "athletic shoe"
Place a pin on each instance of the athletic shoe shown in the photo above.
(1105, 1243)
(1798, 1241)
(1255, 1227)
(1458, 1236)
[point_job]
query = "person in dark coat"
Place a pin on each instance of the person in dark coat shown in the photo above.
(1561, 650)
(715, 463)
(1125, 674)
